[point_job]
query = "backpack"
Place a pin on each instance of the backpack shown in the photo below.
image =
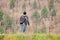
(22, 19)
(26, 20)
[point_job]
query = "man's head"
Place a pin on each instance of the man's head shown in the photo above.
(24, 13)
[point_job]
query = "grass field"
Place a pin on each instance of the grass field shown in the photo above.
(29, 36)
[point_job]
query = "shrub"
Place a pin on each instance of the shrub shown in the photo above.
(12, 3)
(43, 29)
(1, 14)
(51, 4)
(51, 8)
(53, 12)
(35, 4)
(1, 29)
(36, 15)
(24, 5)
(58, 1)
(36, 18)
(8, 24)
(8, 21)
(44, 12)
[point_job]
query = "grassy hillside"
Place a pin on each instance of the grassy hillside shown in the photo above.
(29, 37)
(43, 15)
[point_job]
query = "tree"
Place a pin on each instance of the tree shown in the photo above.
(35, 4)
(58, 1)
(36, 18)
(51, 4)
(12, 4)
(36, 15)
(44, 12)
(1, 14)
(43, 29)
(52, 9)
(39, 4)
(8, 22)
(1, 17)
(53, 12)
(1, 29)
(24, 6)
(29, 2)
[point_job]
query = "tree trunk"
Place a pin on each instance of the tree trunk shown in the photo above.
(0, 23)
(29, 2)
(39, 4)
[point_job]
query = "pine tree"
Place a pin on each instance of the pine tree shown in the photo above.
(44, 12)
(8, 21)
(24, 5)
(52, 9)
(12, 4)
(1, 14)
(36, 18)
(1, 17)
(43, 29)
(35, 4)
(51, 4)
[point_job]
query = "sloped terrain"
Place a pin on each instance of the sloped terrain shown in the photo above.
(17, 11)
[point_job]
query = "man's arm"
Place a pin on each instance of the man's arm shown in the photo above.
(28, 22)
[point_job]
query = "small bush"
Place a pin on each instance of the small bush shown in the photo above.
(36, 15)
(8, 21)
(24, 5)
(43, 29)
(8, 24)
(1, 30)
(36, 18)
(44, 12)
(58, 1)
(12, 3)
(1, 14)
(35, 4)
(53, 12)
(51, 4)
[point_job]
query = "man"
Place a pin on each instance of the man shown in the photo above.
(24, 21)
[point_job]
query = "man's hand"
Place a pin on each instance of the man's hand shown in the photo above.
(28, 23)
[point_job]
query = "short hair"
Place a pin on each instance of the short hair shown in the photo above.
(24, 13)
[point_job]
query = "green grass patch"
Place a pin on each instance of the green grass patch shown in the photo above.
(30, 36)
